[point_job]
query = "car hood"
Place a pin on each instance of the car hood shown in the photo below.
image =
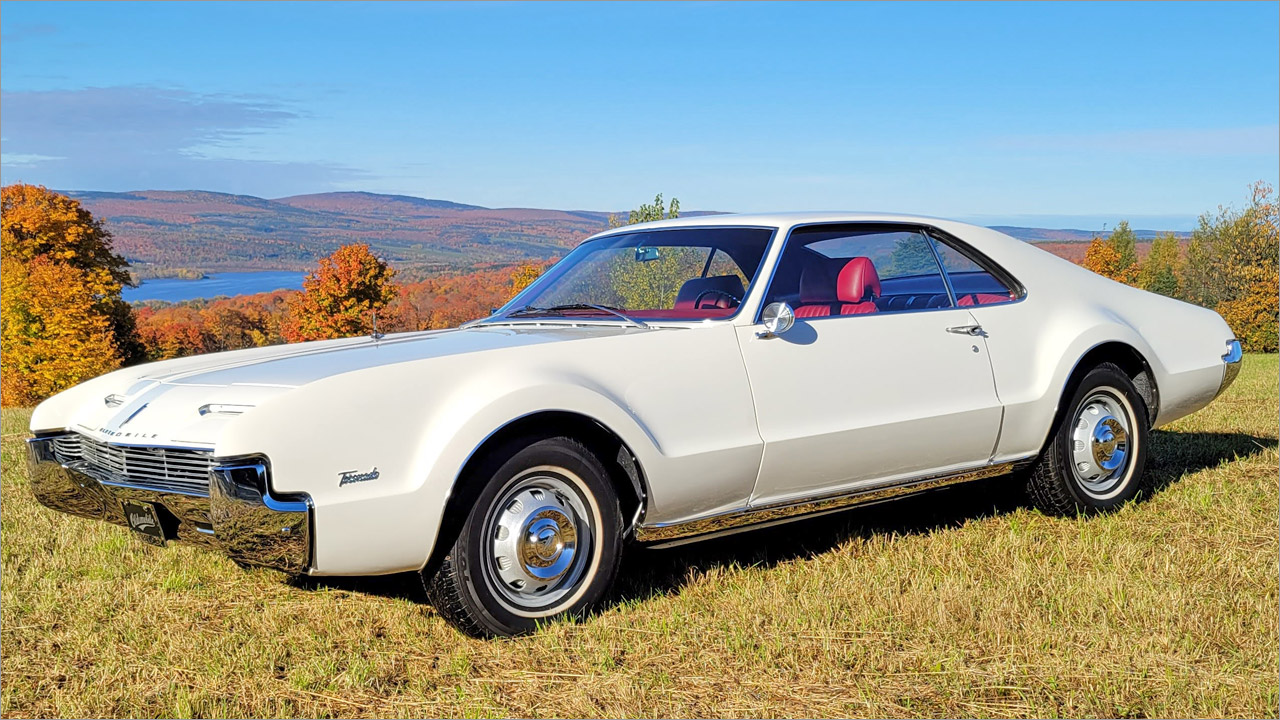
(186, 402)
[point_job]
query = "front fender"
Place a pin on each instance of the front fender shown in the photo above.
(418, 423)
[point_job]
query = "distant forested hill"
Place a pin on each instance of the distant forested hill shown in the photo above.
(209, 231)
(218, 231)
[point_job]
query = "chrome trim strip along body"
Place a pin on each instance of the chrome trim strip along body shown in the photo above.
(749, 518)
(1231, 360)
(239, 517)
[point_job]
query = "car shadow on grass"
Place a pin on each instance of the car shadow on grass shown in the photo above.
(648, 573)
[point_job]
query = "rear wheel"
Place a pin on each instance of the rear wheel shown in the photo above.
(541, 541)
(1097, 454)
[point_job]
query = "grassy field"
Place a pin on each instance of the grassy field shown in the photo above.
(962, 603)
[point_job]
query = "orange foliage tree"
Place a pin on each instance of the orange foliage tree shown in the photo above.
(62, 320)
(524, 275)
(1103, 259)
(340, 298)
(202, 326)
(450, 300)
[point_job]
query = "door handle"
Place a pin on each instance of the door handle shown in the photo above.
(974, 330)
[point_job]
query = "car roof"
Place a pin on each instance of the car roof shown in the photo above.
(780, 219)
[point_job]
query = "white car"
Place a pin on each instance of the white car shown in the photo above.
(664, 383)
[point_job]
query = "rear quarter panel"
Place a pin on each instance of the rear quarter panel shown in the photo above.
(1035, 344)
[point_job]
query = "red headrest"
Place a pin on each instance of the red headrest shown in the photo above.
(858, 281)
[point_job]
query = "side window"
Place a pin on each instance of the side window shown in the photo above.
(857, 270)
(973, 284)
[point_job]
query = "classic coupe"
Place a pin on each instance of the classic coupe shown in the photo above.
(663, 383)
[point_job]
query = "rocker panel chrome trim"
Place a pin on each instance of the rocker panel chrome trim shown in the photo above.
(750, 518)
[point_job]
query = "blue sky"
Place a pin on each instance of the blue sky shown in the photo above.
(1063, 115)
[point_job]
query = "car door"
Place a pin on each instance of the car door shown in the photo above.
(883, 376)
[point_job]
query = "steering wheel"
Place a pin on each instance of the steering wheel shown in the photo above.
(733, 300)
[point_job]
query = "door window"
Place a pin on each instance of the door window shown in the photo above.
(857, 270)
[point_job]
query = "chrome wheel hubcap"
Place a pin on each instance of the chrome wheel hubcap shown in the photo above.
(1100, 443)
(538, 541)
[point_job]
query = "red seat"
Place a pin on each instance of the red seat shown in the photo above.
(983, 299)
(858, 286)
(851, 291)
(817, 290)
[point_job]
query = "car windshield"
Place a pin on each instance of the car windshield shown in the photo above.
(678, 274)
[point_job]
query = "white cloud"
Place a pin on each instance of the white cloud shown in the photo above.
(128, 138)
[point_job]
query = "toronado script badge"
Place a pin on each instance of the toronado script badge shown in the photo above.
(355, 476)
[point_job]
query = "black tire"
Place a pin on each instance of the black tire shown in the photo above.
(471, 587)
(1057, 483)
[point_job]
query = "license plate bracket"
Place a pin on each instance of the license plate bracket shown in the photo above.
(144, 521)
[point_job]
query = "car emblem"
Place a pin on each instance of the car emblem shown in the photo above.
(355, 476)
(141, 521)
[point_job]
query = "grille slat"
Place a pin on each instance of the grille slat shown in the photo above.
(165, 468)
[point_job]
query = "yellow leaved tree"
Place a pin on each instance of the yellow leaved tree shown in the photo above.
(62, 320)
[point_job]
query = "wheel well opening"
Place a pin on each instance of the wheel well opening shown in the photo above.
(1127, 359)
(624, 470)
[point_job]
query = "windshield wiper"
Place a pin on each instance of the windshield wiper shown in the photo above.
(528, 310)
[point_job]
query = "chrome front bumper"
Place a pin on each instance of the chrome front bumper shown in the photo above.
(238, 517)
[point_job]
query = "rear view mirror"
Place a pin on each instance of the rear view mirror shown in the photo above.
(646, 254)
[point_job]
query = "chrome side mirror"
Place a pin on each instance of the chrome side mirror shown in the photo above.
(777, 318)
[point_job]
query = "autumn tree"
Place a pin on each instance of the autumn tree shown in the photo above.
(1102, 258)
(173, 332)
(524, 275)
(649, 213)
(341, 297)
(1161, 271)
(653, 283)
(448, 300)
(62, 320)
(1124, 242)
(1241, 249)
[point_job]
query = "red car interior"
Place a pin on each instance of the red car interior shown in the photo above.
(856, 289)
(719, 291)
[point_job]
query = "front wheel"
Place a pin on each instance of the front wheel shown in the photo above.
(1096, 456)
(542, 540)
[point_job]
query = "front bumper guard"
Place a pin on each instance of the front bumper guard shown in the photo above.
(240, 517)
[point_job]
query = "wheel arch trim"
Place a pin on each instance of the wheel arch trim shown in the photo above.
(1099, 350)
(637, 451)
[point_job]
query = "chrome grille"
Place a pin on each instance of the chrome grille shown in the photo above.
(171, 469)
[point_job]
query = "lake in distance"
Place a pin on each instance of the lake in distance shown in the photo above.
(242, 283)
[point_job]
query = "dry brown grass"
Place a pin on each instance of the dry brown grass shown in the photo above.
(964, 603)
